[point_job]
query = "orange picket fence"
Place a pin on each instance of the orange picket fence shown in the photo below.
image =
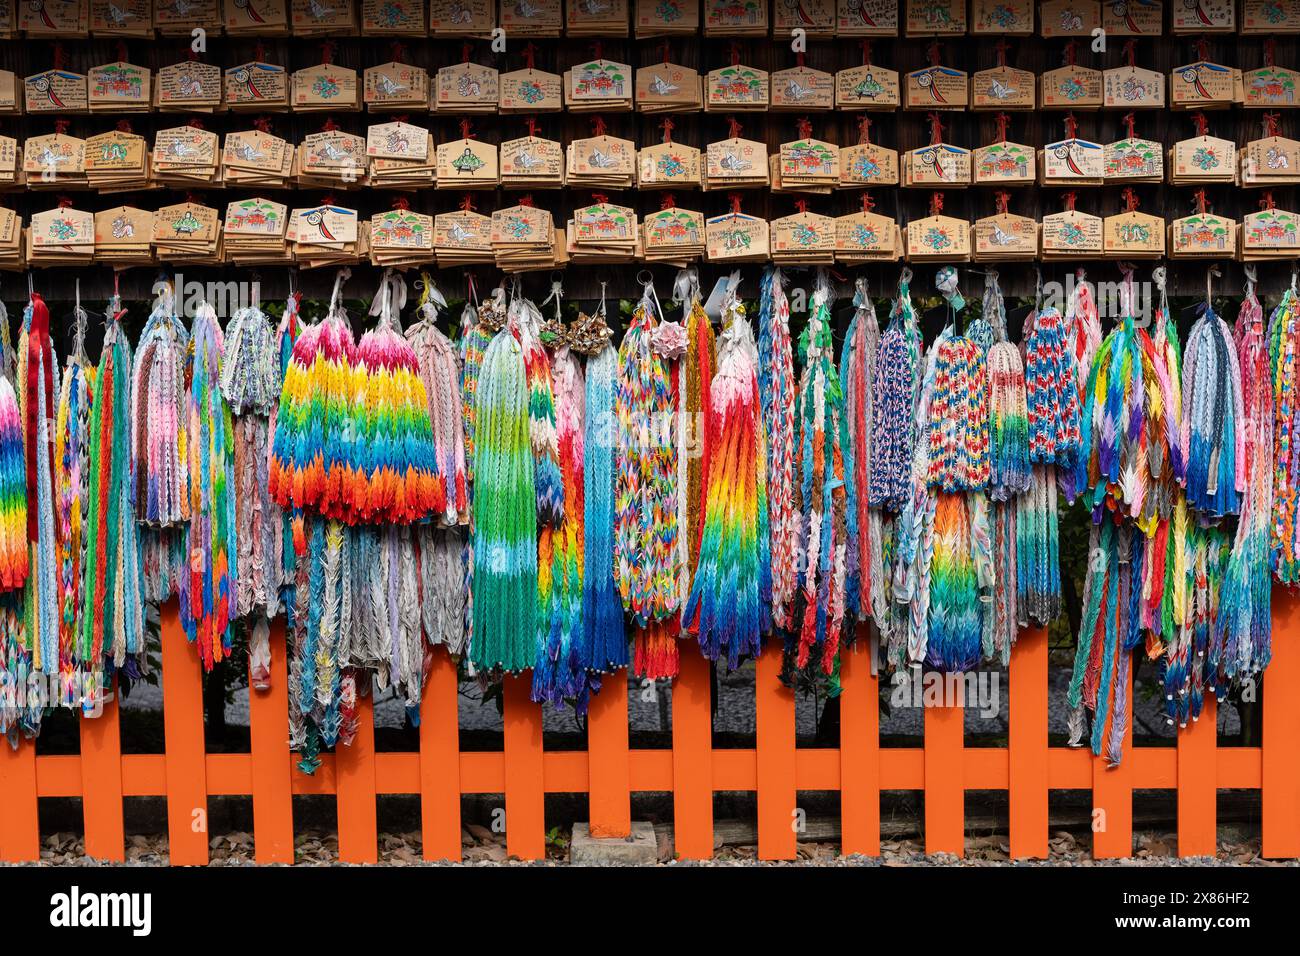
(609, 772)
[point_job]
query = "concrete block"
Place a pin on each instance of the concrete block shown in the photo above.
(639, 849)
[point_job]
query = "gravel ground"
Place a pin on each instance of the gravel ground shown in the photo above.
(480, 847)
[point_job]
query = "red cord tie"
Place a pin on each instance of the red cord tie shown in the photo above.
(1130, 199)
(467, 203)
(1004, 123)
(667, 201)
(667, 127)
(868, 203)
(1069, 199)
(1003, 200)
(401, 203)
(936, 203)
(864, 130)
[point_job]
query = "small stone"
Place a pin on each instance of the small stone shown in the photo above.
(640, 848)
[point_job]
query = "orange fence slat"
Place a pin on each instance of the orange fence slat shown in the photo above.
(692, 780)
(354, 767)
(440, 760)
(1197, 771)
(609, 796)
(1280, 799)
(186, 765)
(945, 793)
(1027, 744)
(859, 755)
(775, 739)
(525, 769)
(268, 725)
(20, 832)
(1112, 794)
(101, 781)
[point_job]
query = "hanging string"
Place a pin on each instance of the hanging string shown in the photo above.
(505, 513)
(1284, 350)
(206, 591)
(646, 557)
(314, 453)
(38, 382)
(604, 647)
(72, 467)
(395, 464)
(1242, 630)
(730, 602)
(895, 391)
(777, 394)
(823, 531)
(866, 568)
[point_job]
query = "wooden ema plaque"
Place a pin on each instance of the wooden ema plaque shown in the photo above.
(815, 17)
(1203, 85)
(55, 91)
(1005, 237)
(1002, 17)
(867, 88)
(1270, 87)
(735, 236)
(1203, 235)
(530, 91)
(1071, 235)
(866, 165)
(936, 88)
(1071, 88)
(866, 18)
(392, 17)
(1270, 17)
(928, 18)
(1133, 235)
(802, 88)
(1203, 16)
(668, 166)
(1003, 88)
(1133, 88)
(1133, 18)
(866, 237)
(938, 238)
(1069, 18)
(121, 18)
(1270, 234)
(1004, 164)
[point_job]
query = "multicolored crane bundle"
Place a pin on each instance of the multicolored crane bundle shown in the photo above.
(532, 496)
